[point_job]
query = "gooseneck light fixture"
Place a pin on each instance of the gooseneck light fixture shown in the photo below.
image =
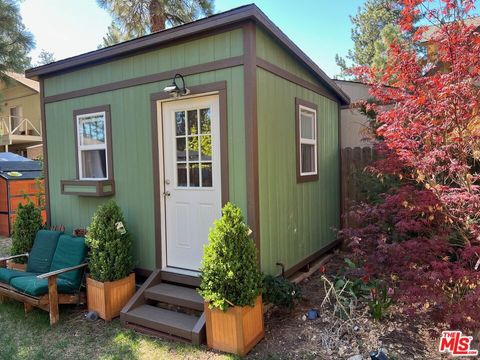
(174, 89)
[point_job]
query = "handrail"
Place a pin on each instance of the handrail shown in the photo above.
(25, 125)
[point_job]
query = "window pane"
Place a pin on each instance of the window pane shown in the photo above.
(306, 125)
(308, 158)
(94, 164)
(92, 130)
(181, 151)
(193, 148)
(194, 176)
(207, 175)
(180, 123)
(182, 175)
(205, 121)
(206, 142)
(192, 122)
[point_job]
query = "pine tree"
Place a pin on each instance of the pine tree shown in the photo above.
(368, 24)
(230, 275)
(15, 40)
(110, 247)
(134, 18)
(114, 36)
(45, 57)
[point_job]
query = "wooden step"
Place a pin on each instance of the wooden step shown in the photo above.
(175, 295)
(165, 321)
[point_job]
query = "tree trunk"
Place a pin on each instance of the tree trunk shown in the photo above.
(157, 16)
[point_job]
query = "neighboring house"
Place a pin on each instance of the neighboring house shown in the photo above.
(259, 127)
(20, 125)
(429, 32)
(353, 123)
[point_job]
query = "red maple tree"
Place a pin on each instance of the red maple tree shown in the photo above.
(425, 234)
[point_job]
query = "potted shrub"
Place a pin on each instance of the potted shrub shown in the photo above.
(27, 222)
(231, 284)
(111, 282)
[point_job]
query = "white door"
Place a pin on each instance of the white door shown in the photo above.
(192, 183)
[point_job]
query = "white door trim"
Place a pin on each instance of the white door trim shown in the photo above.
(161, 157)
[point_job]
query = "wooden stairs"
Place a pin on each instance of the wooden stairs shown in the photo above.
(167, 305)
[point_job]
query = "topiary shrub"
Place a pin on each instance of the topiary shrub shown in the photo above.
(229, 273)
(280, 292)
(110, 245)
(26, 225)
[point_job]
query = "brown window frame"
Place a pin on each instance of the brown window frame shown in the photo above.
(300, 102)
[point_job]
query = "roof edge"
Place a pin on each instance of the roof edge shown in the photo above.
(235, 16)
(203, 25)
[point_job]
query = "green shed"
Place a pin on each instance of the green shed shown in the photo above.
(174, 124)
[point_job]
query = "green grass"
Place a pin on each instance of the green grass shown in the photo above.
(31, 337)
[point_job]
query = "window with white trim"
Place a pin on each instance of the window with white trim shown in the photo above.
(307, 153)
(92, 146)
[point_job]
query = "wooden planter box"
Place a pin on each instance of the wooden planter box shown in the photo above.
(108, 298)
(14, 266)
(236, 330)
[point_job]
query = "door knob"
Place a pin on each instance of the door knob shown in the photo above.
(166, 193)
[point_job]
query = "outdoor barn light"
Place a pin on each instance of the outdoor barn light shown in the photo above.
(174, 89)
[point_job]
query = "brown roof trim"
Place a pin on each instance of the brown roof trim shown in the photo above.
(237, 15)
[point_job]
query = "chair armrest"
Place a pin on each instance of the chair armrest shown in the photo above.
(13, 257)
(61, 271)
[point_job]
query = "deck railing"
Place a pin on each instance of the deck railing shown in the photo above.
(23, 126)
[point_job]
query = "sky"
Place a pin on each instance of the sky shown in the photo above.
(321, 28)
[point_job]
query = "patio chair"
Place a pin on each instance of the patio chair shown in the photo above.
(54, 274)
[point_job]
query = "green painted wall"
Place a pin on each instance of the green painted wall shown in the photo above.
(296, 220)
(131, 134)
(204, 50)
(268, 49)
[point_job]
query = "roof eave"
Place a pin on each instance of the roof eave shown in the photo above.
(236, 16)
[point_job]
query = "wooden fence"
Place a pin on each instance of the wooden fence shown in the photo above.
(354, 160)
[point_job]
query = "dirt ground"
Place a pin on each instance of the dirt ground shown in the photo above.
(290, 336)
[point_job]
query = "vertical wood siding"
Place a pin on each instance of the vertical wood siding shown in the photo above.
(296, 219)
(204, 50)
(268, 49)
(131, 134)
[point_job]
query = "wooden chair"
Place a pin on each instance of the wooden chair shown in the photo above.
(54, 274)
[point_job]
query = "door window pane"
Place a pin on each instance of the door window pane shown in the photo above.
(193, 148)
(180, 123)
(193, 144)
(182, 175)
(206, 147)
(207, 175)
(94, 164)
(194, 175)
(205, 121)
(308, 158)
(192, 122)
(181, 150)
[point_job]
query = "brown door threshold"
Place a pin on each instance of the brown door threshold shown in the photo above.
(182, 279)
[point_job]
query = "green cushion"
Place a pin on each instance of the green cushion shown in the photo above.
(71, 251)
(33, 286)
(41, 255)
(8, 274)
